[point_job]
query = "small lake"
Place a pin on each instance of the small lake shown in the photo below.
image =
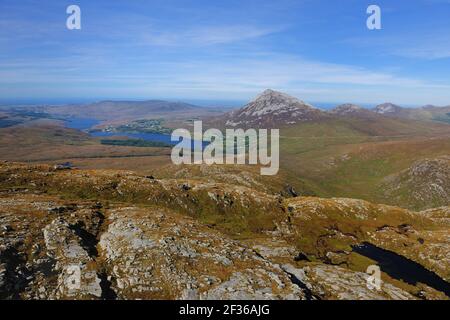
(81, 123)
(158, 137)
(401, 268)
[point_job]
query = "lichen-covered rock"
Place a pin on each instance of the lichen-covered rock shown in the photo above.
(77, 274)
(155, 253)
(332, 282)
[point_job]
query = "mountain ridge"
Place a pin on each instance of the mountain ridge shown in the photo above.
(271, 109)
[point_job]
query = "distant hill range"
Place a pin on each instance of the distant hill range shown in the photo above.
(276, 109)
(121, 110)
(270, 109)
(425, 113)
(352, 110)
(428, 112)
(132, 110)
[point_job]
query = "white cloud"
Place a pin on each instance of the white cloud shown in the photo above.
(208, 35)
(420, 45)
(222, 77)
(432, 51)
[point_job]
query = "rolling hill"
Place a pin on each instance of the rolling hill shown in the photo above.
(429, 112)
(350, 110)
(117, 112)
(425, 183)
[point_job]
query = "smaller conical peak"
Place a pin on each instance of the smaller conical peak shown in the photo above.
(387, 108)
(346, 108)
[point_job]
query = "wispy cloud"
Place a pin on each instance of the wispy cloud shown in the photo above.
(432, 49)
(259, 69)
(208, 35)
(222, 77)
(431, 45)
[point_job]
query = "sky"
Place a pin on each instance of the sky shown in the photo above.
(316, 50)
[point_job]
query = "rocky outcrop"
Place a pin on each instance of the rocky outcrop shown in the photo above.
(332, 282)
(43, 255)
(180, 238)
(157, 254)
(77, 276)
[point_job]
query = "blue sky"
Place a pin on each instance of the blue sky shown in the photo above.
(317, 50)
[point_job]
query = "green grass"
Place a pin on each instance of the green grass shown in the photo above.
(442, 118)
(338, 159)
(134, 143)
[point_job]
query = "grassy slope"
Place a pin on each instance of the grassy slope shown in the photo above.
(331, 158)
(433, 114)
(349, 158)
(47, 142)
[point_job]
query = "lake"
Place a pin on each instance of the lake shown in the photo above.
(85, 124)
(81, 123)
(401, 268)
(158, 137)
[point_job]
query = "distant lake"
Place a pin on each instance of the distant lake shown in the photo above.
(87, 123)
(81, 123)
(158, 137)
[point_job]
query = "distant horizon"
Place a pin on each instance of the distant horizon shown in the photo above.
(207, 103)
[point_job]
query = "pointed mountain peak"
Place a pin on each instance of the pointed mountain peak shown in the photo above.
(273, 96)
(272, 108)
(269, 92)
